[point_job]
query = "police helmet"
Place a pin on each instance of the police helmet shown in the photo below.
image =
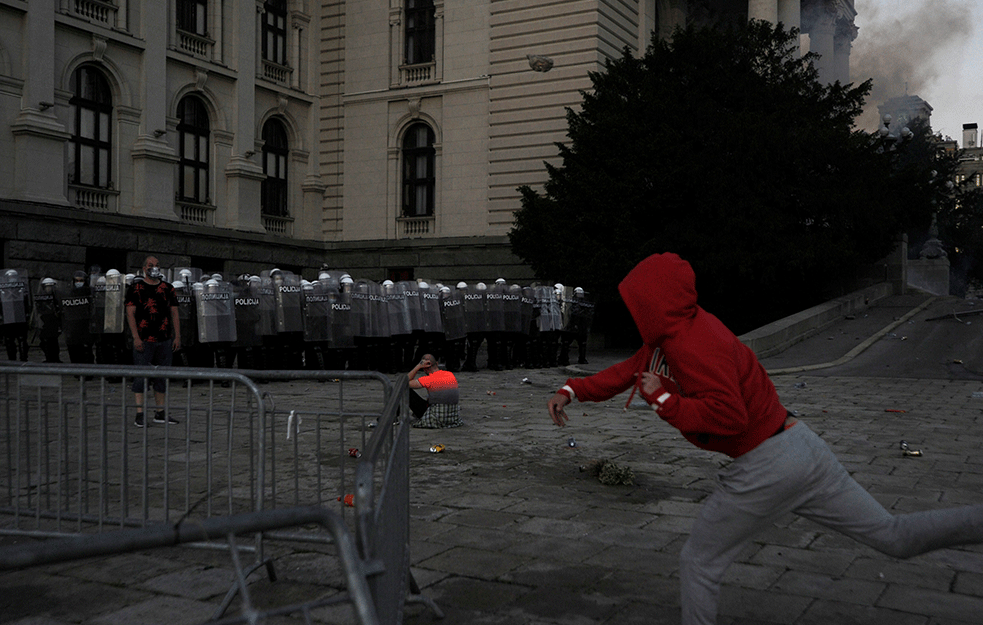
(462, 285)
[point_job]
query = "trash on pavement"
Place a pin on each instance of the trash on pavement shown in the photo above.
(436, 449)
(349, 500)
(907, 451)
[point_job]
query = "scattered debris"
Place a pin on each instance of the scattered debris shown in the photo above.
(609, 473)
(957, 361)
(977, 395)
(894, 410)
(800, 385)
(526, 381)
(489, 392)
(354, 453)
(906, 451)
(349, 500)
(571, 442)
(436, 449)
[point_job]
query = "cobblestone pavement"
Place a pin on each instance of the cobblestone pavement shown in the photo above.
(507, 527)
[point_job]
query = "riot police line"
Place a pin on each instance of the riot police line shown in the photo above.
(276, 320)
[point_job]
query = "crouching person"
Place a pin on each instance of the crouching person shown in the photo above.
(441, 408)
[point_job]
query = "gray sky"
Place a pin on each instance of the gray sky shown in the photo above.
(934, 48)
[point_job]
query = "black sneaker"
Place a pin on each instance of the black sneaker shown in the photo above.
(138, 421)
(160, 417)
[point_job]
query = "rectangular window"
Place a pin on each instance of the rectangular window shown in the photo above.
(420, 37)
(275, 32)
(192, 16)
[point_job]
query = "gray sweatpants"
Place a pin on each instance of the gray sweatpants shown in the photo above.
(796, 471)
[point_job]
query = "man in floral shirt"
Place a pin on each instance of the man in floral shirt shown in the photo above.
(152, 316)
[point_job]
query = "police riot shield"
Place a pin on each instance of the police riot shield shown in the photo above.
(527, 308)
(317, 312)
(566, 308)
(397, 308)
(474, 310)
(76, 312)
(452, 314)
(549, 309)
(47, 306)
(413, 304)
(342, 330)
(494, 304)
(114, 311)
(247, 300)
(583, 312)
(430, 308)
(186, 312)
(267, 305)
(361, 315)
(14, 296)
(98, 320)
(287, 294)
(512, 309)
(216, 311)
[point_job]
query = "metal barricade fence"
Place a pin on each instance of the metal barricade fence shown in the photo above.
(72, 461)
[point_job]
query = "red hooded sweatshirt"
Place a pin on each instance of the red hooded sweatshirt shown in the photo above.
(720, 397)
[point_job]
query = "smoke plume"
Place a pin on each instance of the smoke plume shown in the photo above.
(905, 47)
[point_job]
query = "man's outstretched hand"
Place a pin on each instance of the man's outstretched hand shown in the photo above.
(555, 407)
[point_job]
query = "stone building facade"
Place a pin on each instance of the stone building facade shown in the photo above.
(385, 137)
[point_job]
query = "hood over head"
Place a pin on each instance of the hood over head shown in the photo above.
(660, 293)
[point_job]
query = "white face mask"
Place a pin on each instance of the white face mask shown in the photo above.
(154, 273)
(79, 285)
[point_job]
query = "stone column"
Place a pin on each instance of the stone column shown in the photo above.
(39, 137)
(243, 175)
(153, 157)
(763, 10)
(821, 37)
(846, 32)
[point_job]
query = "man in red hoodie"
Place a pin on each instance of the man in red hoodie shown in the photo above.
(699, 377)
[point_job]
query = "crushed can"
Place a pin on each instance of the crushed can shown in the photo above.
(436, 449)
(349, 500)
(354, 453)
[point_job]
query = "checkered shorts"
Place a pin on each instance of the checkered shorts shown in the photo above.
(440, 416)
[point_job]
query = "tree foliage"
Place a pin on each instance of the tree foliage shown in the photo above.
(720, 145)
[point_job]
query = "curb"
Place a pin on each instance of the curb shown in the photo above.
(856, 351)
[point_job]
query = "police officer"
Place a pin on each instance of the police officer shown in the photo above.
(576, 326)
(76, 313)
(15, 307)
(47, 315)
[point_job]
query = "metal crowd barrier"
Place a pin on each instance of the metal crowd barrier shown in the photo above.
(73, 462)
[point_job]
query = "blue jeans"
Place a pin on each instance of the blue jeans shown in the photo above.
(158, 353)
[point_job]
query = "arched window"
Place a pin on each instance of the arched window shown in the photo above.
(275, 151)
(420, 39)
(89, 124)
(193, 134)
(418, 171)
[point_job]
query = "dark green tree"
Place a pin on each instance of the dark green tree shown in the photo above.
(720, 145)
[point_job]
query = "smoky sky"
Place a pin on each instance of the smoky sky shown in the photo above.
(906, 46)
